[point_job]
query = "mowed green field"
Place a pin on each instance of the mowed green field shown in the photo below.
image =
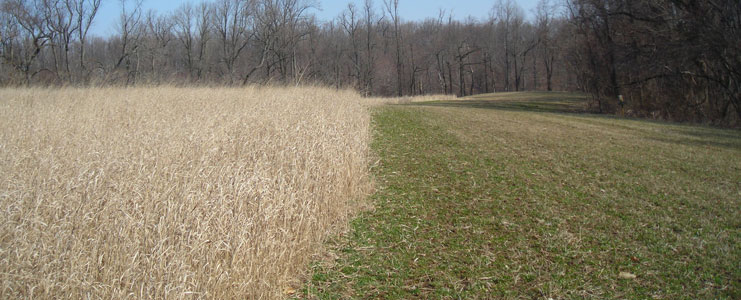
(520, 196)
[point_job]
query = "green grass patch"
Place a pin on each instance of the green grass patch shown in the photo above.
(516, 203)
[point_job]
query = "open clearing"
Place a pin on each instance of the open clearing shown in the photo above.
(227, 193)
(514, 197)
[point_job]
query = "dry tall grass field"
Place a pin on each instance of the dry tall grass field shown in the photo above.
(173, 192)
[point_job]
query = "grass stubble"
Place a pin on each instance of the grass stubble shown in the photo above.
(173, 193)
(500, 199)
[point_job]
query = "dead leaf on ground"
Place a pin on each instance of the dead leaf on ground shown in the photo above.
(626, 275)
(289, 291)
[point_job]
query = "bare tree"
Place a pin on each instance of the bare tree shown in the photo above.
(442, 36)
(392, 8)
(27, 29)
(191, 26)
(130, 31)
(283, 25)
(463, 51)
(232, 21)
(159, 35)
(545, 19)
(184, 20)
(524, 42)
(60, 17)
(370, 25)
(348, 21)
(84, 12)
(508, 15)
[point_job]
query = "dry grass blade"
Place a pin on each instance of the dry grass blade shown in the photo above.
(173, 192)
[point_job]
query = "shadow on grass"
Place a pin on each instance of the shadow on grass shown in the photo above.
(553, 102)
(576, 104)
(727, 144)
(699, 136)
(553, 106)
(706, 132)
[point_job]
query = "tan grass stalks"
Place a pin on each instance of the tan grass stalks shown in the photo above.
(173, 192)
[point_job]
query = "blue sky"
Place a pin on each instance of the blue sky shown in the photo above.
(408, 9)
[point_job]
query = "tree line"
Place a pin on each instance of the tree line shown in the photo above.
(671, 59)
(367, 47)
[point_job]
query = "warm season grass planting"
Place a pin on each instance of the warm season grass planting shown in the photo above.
(496, 197)
(173, 192)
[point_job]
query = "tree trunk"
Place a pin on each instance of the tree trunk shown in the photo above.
(461, 79)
